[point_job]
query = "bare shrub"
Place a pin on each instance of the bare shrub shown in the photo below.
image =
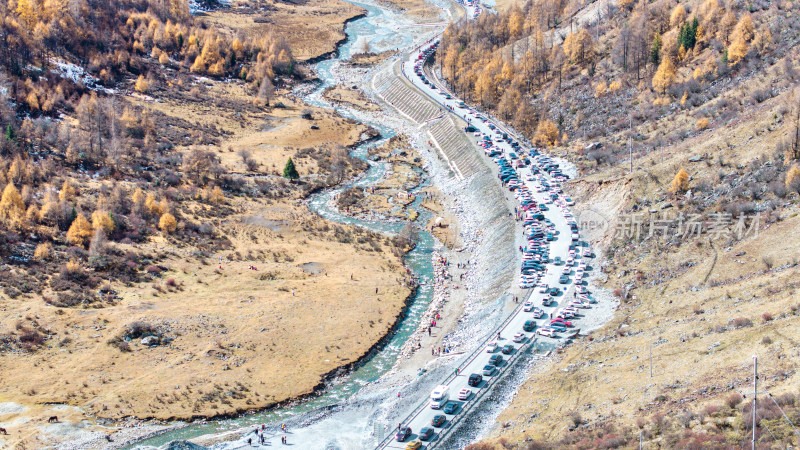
(733, 400)
(741, 322)
(766, 317)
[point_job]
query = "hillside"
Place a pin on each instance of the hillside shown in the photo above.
(698, 240)
(156, 263)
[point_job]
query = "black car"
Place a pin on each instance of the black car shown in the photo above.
(426, 434)
(496, 360)
(475, 380)
(529, 325)
(438, 420)
(450, 408)
(507, 349)
(403, 434)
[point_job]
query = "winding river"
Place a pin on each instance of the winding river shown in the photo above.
(385, 31)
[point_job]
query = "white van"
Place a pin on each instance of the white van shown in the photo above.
(439, 397)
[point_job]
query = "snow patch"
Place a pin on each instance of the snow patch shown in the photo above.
(77, 74)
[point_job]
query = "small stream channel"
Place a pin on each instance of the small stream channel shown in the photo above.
(380, 28)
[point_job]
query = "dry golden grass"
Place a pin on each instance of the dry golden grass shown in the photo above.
(419, 9)
(351, 97)
(243, 339)
(312, 28)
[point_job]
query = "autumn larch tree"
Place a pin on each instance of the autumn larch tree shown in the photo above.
(167, 223)
(101, 219)
(80, 232)
(741, 36)
(680, 183)
(12, 207)
(664, 76)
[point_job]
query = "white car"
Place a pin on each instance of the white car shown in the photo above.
(549, 332)
(491, 347)
(519, 337)
(577, 304)
(569, 201)
(543, 288)
(464, 394)
(528, 306)
(537, 313)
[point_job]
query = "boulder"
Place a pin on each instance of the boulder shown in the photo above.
(150, 341)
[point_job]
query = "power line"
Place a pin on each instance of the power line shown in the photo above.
(784, 414)
(770, 432)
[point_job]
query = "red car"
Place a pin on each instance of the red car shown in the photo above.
(566, 323)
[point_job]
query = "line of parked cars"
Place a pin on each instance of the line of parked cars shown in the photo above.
(546, 176)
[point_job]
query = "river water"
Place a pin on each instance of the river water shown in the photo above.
(384, 30)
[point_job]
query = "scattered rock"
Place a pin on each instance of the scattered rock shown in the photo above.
(150, 341)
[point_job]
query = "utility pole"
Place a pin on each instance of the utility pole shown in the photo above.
(755, 396)
(651, 360)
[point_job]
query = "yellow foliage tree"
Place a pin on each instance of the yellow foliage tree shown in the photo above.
(67, 192)
(138, 199)
(678, 16)
(546, 133)
(680, 183)
(578, 46)
(237, 46)
(12, 207)
(702, 123)
(516, 22)
(762, 40)
(26, 13)
(740, 38)
(43, 251)
(167, 223)
(153, 207)
(217, 196)
(141, 84)
(32, 100)
(101, 219)
(80, 232)
(600, 89)
(664, 76)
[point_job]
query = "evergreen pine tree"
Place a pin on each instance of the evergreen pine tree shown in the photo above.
(682, 37)
(692, 34)
(655, 50)
(290, 172)
(10, 133)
